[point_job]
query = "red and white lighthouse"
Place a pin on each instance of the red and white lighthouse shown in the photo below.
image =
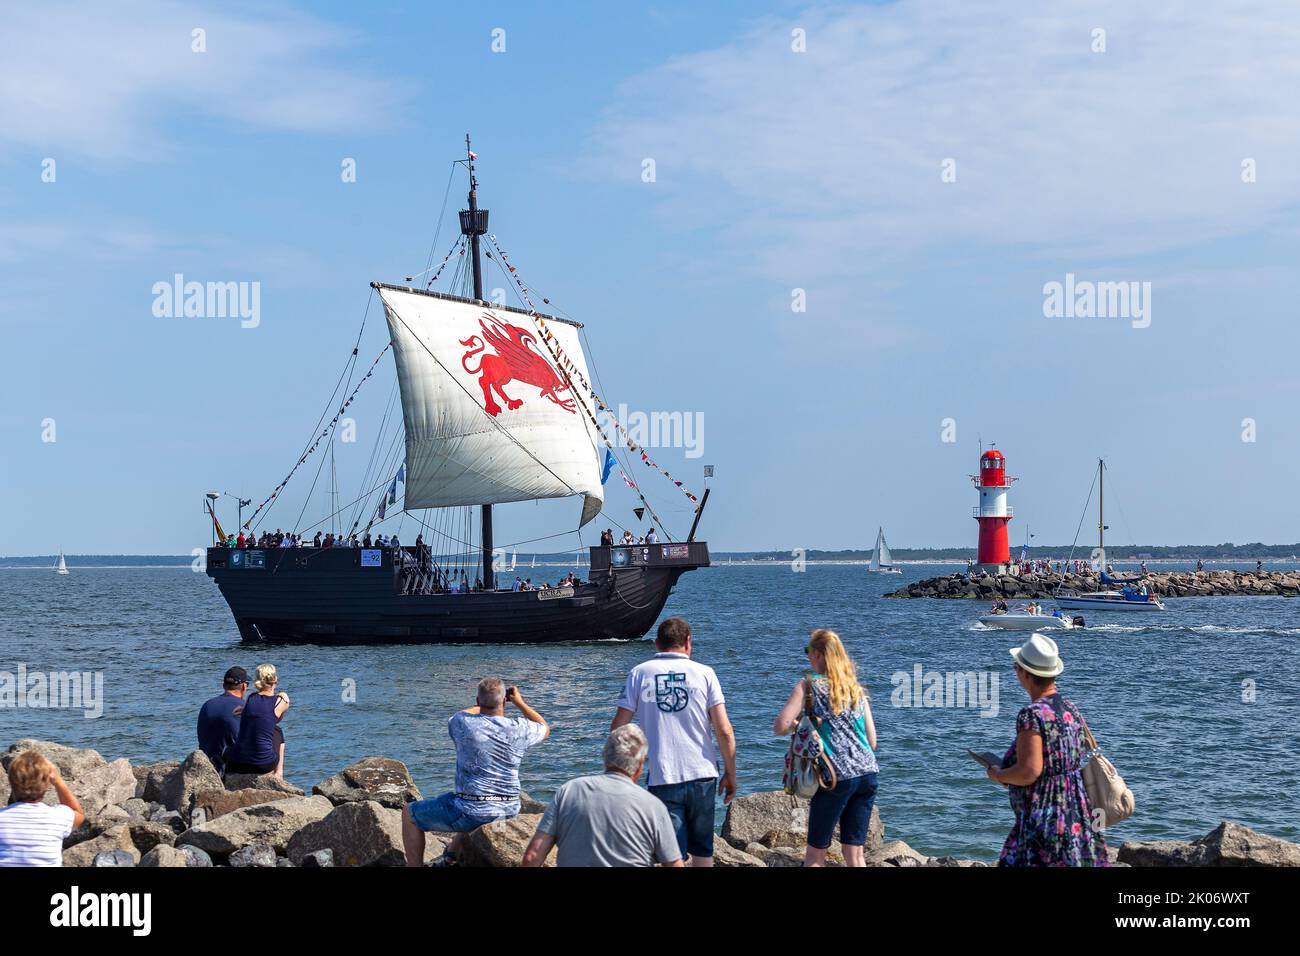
(993, 512)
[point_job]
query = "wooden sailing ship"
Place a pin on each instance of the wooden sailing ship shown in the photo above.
(496, 408)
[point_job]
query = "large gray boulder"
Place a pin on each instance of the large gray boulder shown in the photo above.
(146, 835)
(168, 818)
(724, 854)
(500, 843)
(1228, 844)
(895, 853)
(135, 808)
(117, 838)
(194, 857)
(194, 775)
(528, 804)
(72, 763)
(164, 855)
(217, 803)
(380, 779)
(255, 854)
(774, 818)
(781, 856)
(89, 829)
(274, 823)
(261, 781)
(111, 816)
(102, 786)
(114, 858)
(151, 778)
(359, 834)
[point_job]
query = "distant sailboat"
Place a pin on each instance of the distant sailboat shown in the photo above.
(881, 560)
(62, 566)
(1132, 596)
(534, 564)
(514, 559)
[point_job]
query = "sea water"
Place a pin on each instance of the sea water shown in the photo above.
(1199, 707)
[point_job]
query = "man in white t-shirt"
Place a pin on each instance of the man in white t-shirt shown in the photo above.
(31, 833)
(679, 704)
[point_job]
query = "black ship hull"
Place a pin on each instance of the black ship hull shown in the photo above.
(368, 596)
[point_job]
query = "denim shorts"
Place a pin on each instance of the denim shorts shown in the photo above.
(445, 815)
(691, 806)
(849, 805)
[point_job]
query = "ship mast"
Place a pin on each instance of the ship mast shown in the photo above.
(474, 223)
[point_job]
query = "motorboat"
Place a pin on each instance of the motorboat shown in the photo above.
(1025, 619)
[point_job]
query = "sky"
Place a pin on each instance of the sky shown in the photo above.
(838, 267)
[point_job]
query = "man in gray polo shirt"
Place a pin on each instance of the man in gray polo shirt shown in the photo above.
(606, 819)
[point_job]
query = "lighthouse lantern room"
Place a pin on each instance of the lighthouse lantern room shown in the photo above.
(993, 513)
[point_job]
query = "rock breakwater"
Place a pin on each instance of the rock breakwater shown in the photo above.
(181, 814)
(1176, 584)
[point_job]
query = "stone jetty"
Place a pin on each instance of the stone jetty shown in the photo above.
(984, 586)
(182, 814)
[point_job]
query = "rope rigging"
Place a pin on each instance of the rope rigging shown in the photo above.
(546, 337)
(568, 368)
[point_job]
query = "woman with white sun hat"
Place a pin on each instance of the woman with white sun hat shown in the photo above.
(1054, 821)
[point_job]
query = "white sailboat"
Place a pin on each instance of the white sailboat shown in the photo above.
(1131, 596)
(62, 566)
(881, 560)
(514, 559)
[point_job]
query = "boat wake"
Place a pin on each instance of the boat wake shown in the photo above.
(1197, 629)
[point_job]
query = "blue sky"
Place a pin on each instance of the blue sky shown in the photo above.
(775, 170)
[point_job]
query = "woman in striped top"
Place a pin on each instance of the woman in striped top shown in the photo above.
(31, 832)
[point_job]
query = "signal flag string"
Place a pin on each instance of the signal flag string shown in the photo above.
(552, 345)
(569, 369)
(319, 438)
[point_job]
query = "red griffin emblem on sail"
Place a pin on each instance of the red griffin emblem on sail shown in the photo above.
(515, 360)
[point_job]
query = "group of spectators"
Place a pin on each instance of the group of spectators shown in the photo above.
(238, 731)
(602, 819)
(670, 724)
(628, 539)
(288, 539)
(666, 721)
(1043, 566)
(570, 580)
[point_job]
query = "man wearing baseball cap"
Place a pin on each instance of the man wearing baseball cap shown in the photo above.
(219, 717)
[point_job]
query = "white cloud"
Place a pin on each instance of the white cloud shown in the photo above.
(831, 158)
(106, 80)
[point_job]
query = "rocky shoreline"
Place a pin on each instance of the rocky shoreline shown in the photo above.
(182, 814)
(984, 586)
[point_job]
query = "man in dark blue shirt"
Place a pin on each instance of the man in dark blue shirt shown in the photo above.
(219, 717)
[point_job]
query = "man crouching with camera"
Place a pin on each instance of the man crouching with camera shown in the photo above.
(489, 748)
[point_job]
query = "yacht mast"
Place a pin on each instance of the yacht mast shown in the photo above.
(1101, 510)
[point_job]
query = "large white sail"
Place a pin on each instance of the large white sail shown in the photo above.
(488, 417)
(882, 556)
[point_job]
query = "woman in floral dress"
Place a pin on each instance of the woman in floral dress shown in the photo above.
(1054, 821)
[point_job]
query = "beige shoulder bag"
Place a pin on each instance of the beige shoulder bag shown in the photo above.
(1107, 790)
